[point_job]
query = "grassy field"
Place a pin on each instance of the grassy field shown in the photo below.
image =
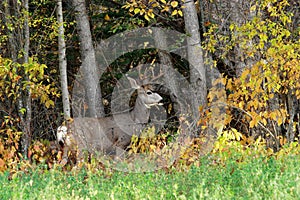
(258, 178)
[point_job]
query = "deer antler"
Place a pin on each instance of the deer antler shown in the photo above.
(148, 76)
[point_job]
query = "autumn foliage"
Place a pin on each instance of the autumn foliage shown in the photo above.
(263, 100)
(260, 95)
(15, 80)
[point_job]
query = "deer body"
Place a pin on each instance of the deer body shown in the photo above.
(110, 135)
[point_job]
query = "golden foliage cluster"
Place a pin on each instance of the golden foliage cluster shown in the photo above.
(264, 91)
(9, 144)
(18, 80)
(153, 7)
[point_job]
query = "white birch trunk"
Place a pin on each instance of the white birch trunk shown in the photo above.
(63, 61)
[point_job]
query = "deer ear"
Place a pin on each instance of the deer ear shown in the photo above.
(133, 83)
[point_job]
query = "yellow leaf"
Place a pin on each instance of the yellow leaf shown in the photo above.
(136, 10)
(163, 1)
(166, 9)
(131, 9)
(150, 14)
(279, 121)
(154, 5)
(146, 17)
(175, 12)
(126, 6)
(152, 147)
(142, 11)
(180, 13)
(253, 8)
(252, 123)
(174, 4)
(273, 116)
(107, 18)
(264, 121)
(241, 104)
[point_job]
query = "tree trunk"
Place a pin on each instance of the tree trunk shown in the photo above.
(170, 77)
(198, 78)
(63, 62)
(195, 58)
(89, 65)
(26, 120)
(239, 20)
(166, 62)
(12, 48)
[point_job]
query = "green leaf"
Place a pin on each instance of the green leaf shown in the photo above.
(22, 111)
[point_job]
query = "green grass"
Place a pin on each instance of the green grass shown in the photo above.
(258, 178)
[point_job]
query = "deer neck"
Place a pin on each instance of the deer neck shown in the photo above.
(140, 113)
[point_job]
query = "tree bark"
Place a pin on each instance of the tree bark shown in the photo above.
(165, 60)
(195, 58)
(89, 65)
(170, 77)
(12, 47)
(63, 62)
(26, 120)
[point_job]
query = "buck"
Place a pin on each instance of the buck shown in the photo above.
(110, 135)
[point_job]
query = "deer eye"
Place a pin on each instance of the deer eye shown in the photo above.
(149, 93)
